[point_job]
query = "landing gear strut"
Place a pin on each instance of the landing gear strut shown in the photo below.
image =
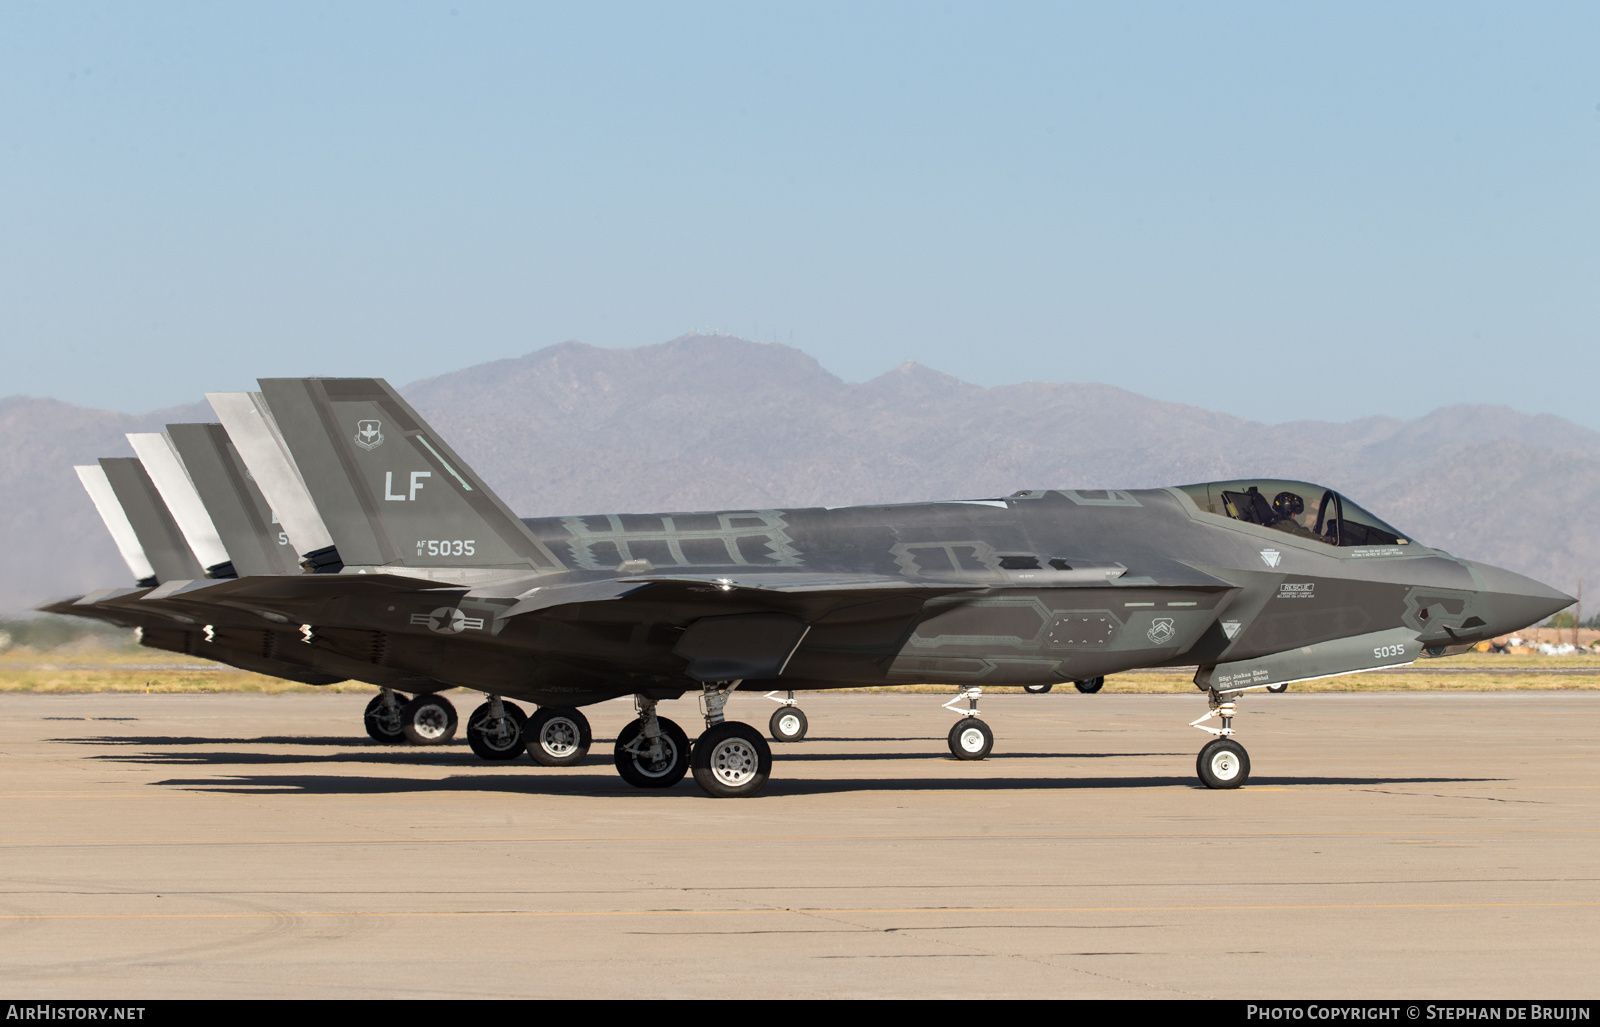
(1223, 762)
(382, 718)
(651, 752)
(788, 723)
(970, 738)
(731, 760)
(495, 730)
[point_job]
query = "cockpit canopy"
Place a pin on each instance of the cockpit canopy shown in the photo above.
(1297, 507)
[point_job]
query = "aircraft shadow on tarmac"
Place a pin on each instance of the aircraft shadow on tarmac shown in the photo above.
(595, 781)
(454, 756)
(608, 785)
(329, 740)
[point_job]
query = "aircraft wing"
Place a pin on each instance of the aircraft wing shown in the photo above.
(820, 584)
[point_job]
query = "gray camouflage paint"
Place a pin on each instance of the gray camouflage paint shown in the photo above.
(440, 585)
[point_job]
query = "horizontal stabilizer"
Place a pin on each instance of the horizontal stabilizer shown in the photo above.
(1393, 647)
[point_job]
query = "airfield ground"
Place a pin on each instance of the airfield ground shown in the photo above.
(1390, 844)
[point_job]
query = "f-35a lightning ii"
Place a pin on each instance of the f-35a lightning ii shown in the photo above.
(415, 576)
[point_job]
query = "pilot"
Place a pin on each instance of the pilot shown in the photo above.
(1289, 509)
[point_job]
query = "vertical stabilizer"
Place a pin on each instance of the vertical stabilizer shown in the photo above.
(391, 491)
(163, 544)
(171, 478)
(95, 483)
(255, 540)
(255, 433)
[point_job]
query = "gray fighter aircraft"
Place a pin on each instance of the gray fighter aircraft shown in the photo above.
(415, 567)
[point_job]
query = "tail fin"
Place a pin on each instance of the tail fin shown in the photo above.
(391, 491)
(98, 486)
(255, 432)
(171, 479)
(241, 514)
(158, 534)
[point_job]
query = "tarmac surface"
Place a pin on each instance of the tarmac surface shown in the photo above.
(1399, 845)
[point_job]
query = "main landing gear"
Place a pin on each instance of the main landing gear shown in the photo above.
(729, 759)
(788, 723)
(970, 738)
(393, 719)
(497, 730)
(558, 736)
(428, 720)
(1223, 762)
(382, 718)
(652, 751)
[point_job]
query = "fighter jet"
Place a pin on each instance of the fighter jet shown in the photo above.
(187, 492)
(415, 566)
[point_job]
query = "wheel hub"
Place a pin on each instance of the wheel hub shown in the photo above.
(559, 738)
(431, 722)
(972, 739)
(734, 762)
(655, 767)
(1225, 765)
(789, 723)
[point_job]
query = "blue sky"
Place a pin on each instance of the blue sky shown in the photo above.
(1282, 211)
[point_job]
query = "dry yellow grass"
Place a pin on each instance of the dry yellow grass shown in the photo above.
(139, 670)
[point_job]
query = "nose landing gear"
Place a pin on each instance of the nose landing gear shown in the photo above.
(1223, 762)
(970, 738)
(788, 723)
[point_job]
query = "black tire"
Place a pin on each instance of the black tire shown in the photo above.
(731, 761)
(1038, 689)
(429, 720)
(497, 738)
(1223, 763)
(1089, 686)
(558, 736)
(970, 739)
(788, 724)
(1278, 688)
(641, 772)
(382, 724)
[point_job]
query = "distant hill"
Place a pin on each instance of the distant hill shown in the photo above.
(716, 422)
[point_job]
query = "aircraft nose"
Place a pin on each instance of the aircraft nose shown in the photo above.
(1516, 601)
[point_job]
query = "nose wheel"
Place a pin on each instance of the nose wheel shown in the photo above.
(970, 739)
(1223, 763)
(788, 724)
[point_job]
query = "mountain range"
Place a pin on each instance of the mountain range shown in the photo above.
(717, 422)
